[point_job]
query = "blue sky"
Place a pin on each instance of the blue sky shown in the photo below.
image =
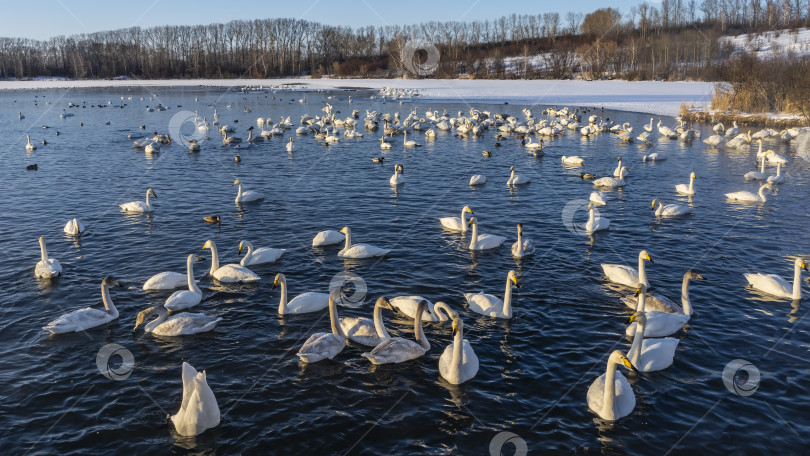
(42, 19)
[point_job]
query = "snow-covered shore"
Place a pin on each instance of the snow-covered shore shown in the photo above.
(664, 98)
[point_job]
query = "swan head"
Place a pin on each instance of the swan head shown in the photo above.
(345, 230)
(236, 182)
(512, 169)
(467, 209)
(145, 314)
(641, 288)
(643, 255)
(244, 245)
(800, 263)
(383, 302)
(520, 228)
(692, 274)
(512, 277)
(692, 175)
(108, 281)
(458, 325)
(151, 192)
(640, 318)
(471, 221)
(279, 278)
(208, 245)
(618, 357)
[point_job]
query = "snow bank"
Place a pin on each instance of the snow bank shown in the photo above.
(663, 98)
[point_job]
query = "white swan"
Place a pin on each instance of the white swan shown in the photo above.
(478, 179)
(385, 145)
(325, 345)
(492, 306)
(748, 197)
(597, 198)
(573, 160)
(757, 175)
(649, 355)
(46, 267)
(671, 210)
(199, 410)
(713, 140)
(611, 182)
(483, 241)
(457, 223)
(522, 247)
(139, 206)
(290, 145)
(627, 276)
(533, 145)
(515, 179)
(86, 318)
(658, 324)
(29, 146)
(595, 223)
(775, 285)
(407, 305)
(248, 196)
(166, 281)
(684, 189)
(260, 255)
(73, 227)
(328, 237)
(229, 273)
(359, 250)
(397, 349)
(778, 178)
(664, 304)
(618, 400)
(365, 331)
(649, 128)
(653, 157)
(458, 362)
(618, 171)
(183, 299)
(410, 143)
(178, 325)
(397, 178)
(310, 301)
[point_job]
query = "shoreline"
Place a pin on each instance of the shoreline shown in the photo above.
(654, 97)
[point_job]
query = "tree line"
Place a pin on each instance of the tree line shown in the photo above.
(671, 40)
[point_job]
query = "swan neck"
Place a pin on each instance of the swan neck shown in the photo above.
(463, 220)
(282, 305)
(333, 317)
(474, 237)
(248, 254)
(239, 192)
(642, 274)
(192, 284)
(214, 258)
(762, 164)
(348, 243)
(418, 333)
(108, 304)
(507, 299)
(610, 389)
(458, 345)
(691, 184)
(761, 193)
(520, 241)
(641, 305)
(162, 316)
(797, 281)
(635, 348)
(147, 197)
(685, 302)
(379, 324)
(43, 250)
(591, 216)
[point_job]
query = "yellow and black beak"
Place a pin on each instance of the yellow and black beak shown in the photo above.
(629, 365)
(638, 292)
(700, 277)
(650, 259)
(199, 258)
(803, 265)
(275, 284)
(455, 328)
(515, 281)
(632, 319)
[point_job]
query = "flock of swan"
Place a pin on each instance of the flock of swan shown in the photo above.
(610, 396)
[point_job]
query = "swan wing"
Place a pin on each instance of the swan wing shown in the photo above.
(328, 237)
(232, 273)
(166, 281)
(78, 320)
(182, 299)
(624, 402)
(186, 323)
(451, 223)
(408, 305)
(395, 350)
(489, 241)
(321, 346)
(771, 284)
(135, 206)
(485, 304)
(48, 269)
(363, 251)
(743, 196)
(657, 354)
(265, 255)
(621, 274)
(360, 330)
(310, 301)
(654, 303)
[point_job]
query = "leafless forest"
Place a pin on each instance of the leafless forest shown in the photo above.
(673, 40)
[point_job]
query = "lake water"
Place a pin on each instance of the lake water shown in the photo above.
(535, 369)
